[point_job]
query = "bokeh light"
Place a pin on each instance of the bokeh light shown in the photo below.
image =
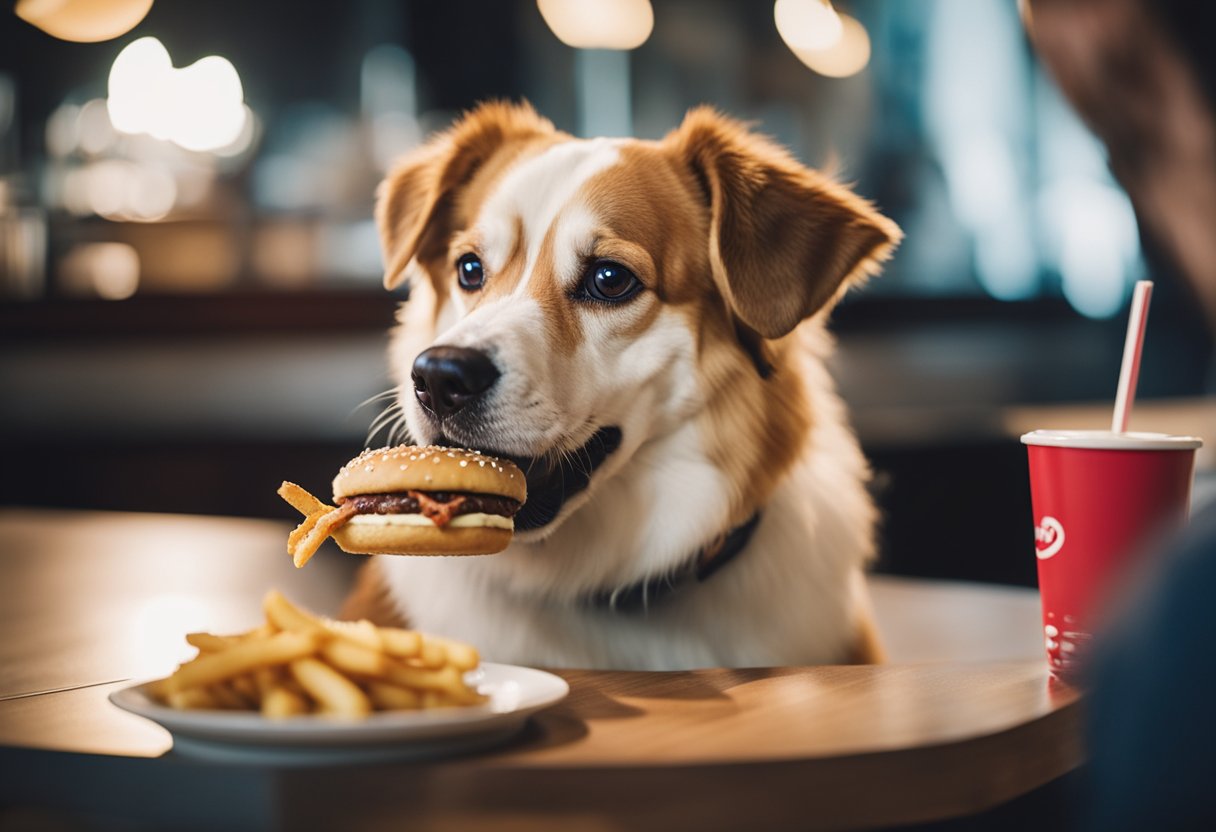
(1090, 231)
(599, 24)
(83, 21)
(807, 24)
(118, 189)
(199, 107)
(105, 270)
(847, 56)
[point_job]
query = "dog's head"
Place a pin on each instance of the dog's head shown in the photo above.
(573, 300)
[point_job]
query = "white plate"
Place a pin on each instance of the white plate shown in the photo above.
(237, 736)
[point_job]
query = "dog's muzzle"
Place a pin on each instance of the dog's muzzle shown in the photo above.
(447, 380)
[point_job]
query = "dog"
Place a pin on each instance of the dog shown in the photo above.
(640, 326)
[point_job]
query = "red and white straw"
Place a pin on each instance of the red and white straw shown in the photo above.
(1132, 347)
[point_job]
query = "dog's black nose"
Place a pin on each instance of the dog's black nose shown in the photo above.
(448, 378)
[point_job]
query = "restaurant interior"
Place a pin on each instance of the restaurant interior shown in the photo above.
(203, 316)
(192, 299)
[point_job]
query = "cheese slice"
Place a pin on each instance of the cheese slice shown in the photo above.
(463, 521)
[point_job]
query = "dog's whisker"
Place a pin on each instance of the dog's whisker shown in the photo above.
(581, 460)
(399, 432)
(387, 418)
(398, 428)
(383, 394)
(578, 459)
(381, 418)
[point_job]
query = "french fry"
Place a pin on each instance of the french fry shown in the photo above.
(315, 529)
(465, 695)
(227, 698)
(388, 697)
(306, 531)
(246, 688)
(431, 655)
(402, 644)
(354, 658)
(335, 693)
(435, 699)
(362, 632)
(210, 643)
(287, 616)
(192, 699)
(300, 499)
(462, 656)
(267, 678)
(280, 702)
(422, 678)
(210, 668)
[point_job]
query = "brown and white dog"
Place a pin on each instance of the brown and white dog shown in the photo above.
(640, 325)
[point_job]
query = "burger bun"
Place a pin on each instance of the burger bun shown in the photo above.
(429, 468)
(421, 540)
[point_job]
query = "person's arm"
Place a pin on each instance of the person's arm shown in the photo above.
(1119, 65)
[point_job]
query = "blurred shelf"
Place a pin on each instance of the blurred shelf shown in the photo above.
(873, 311)
(243, 384)
(251, 311)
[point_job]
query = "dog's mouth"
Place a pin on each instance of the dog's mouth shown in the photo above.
(555, 478)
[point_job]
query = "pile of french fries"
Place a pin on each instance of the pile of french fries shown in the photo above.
(298, 663)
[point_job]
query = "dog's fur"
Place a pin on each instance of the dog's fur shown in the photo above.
(713, 373)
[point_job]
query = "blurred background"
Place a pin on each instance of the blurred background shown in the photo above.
(190, 279)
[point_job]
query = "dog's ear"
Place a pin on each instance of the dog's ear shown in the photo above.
(784, 240)
(418, 205)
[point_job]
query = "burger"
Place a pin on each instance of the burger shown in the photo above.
(428, 500)
(411, 500)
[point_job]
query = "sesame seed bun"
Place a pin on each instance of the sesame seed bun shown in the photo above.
(429, 468)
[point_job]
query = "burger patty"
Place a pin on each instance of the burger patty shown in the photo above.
(453, 503)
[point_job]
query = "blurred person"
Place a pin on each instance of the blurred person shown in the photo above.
(1142, 75)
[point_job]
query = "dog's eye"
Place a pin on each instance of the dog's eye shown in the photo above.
(469, 273)
(611, 282)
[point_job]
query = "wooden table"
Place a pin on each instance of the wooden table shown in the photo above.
(963, 718)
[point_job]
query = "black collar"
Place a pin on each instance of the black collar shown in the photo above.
(698, 568)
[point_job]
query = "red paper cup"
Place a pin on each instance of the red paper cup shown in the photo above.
(1101, 500)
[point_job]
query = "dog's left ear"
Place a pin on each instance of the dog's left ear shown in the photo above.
(784, 240)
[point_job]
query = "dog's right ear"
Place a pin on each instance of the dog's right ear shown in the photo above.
(785, 241)
(418, 205)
